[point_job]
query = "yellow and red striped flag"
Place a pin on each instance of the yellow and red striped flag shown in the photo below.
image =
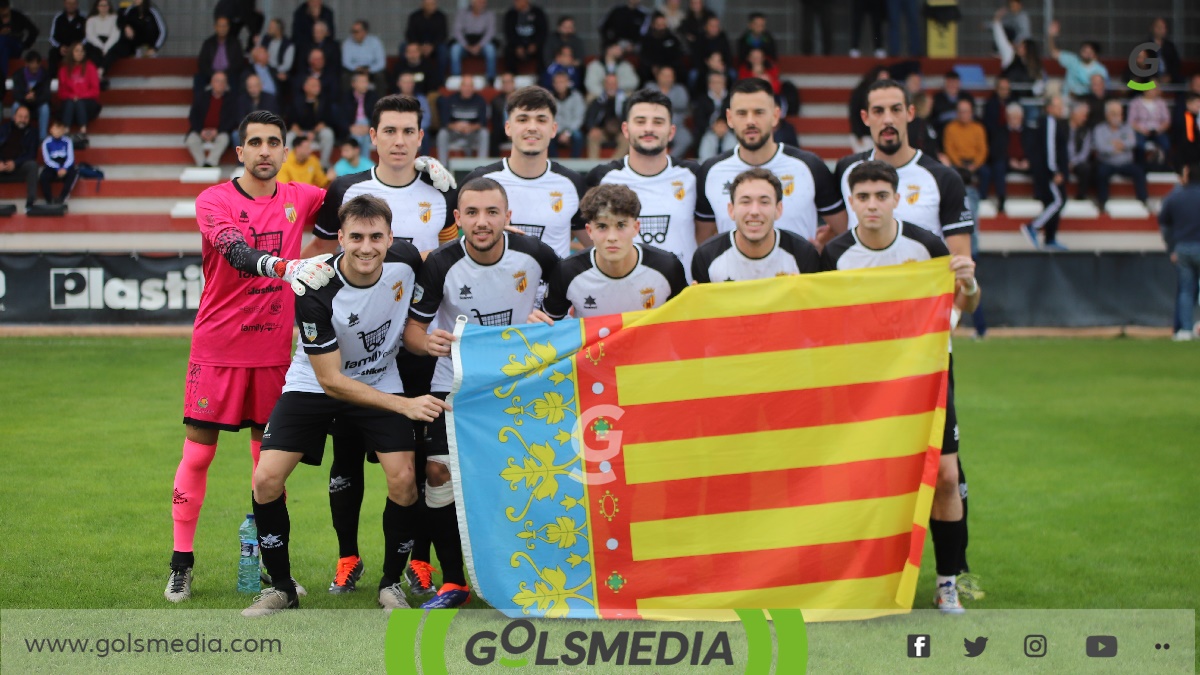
(759, 444)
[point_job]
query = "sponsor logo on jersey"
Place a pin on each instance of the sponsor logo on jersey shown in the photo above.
(426, 211)
(352, 320)
(271, 242)
(914, 195)
(648, 298)
(589, 302)
(522, 283)
(372, 339)
(789, 184)
(251, 309)
(267, 327)
(243, 217)
(464, 293)
(398, 287)
(310, 330)
(289, 211)
(654, 229)
(679, 191)
(264, 290)
(556, 201)
(418, 293)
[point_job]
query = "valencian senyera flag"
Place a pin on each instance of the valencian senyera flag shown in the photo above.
(759, 444)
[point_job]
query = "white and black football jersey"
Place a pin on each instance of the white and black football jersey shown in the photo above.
(932, 194)
(808, 189)
(668, 203)
(365, 324)
(579, 283)
(420, 212)
(451, 284)
(546, 207)
(912, 244)
(719, 259)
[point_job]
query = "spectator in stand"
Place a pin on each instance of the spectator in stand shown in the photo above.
(564, 62)
(681, 103)
(914, 84)
(18, 153)
(876, 11)
(354, 114)
(323, 39)
(525, 30)
(921, 134)
(260, 66)
(1079, 150)
(860, 135)
(473, 33)
(708, 118)
(758, 37)
(908, 11)
(571, 109)
(313, 116)
(712, 40)
(281, 55)
(301, 165)
(1008, 151)
(422, 68)
(945, 102)
(1050, 169)
(498, 141)
(1014, 21)
(1188, 141)
(1080, 67)
(253, 97)
(364, 53)
(1021, 61)
(661, 47)
(964, 140)
(1180, 227)
(429, 29)
(624, 24)
(994, 106)
(220, 52)
(714, 63)
(603, 119)
(1096, 99)
(211, 120)
(694, 21)
(102, 37)
(1169, 63)
(305, 17)
(66, 28)
(612, 63)
(406, 84)
(674, 11)
(757, 65)
(143, 30)
(317, 67)
(464, 116)
(565, 35)
(1151, 122)
(79, 92)
(242, 15)
(352, 160)
(1114, 142)
(17, 35)
(58, 155)
(31, 88)
(815, 16)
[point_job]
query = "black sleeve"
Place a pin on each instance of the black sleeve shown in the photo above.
(327, 224)
(807, 259)
(577, 222)
(834, 250)
(431, 280)
(597, 174)
(677, 277)
(828, 191)
(954, 211)
(479, 171)
(545, 256)
(933, 243)
(314, 318)
(704, 209)
(840, 170)
(701, 260)
(555, 304)
(403, 252)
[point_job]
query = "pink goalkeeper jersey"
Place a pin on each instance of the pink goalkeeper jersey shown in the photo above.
(244, 320)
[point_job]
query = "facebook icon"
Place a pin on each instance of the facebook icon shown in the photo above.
(918, 646)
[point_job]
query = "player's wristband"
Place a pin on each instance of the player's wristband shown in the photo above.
(973, 289)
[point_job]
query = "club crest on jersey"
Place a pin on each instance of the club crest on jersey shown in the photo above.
(789, 185)
(522, 283)
(426, 211)
(310, 331)
(289, 210)
(399, 288)
(647, 298)
(556, 201)
(372, 339)
(679, 190)
(914, 195)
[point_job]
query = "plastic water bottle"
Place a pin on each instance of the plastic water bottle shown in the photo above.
(248, 579)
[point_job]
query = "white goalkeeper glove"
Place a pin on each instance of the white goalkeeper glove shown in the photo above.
(308, 273)
(442, 179)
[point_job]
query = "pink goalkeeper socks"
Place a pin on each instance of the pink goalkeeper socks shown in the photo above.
(191, 480)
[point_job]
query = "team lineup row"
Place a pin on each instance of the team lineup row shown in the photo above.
(498, 210)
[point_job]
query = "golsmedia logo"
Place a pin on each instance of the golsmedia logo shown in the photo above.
(524, 643)
(1147, 68)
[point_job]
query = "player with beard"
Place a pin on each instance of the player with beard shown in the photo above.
(809, 190)
(489, 276)
(666, 189)
(544, 196)
(242, 339)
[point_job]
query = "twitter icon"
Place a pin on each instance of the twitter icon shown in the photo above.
(974, 648)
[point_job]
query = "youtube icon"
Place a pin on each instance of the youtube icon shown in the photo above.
(1101, 646)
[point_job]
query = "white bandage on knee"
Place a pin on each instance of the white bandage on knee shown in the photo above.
(442, 495)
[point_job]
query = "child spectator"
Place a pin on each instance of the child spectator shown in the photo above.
(58, 155)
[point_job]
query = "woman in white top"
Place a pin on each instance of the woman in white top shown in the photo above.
(102, 34)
